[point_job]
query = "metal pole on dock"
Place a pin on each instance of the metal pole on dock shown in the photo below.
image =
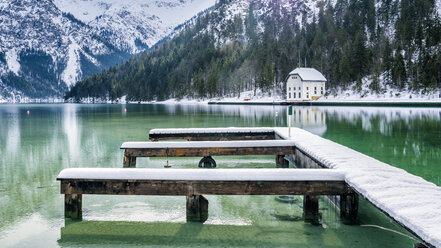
(289, 120)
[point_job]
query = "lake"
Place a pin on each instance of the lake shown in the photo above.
(36, 146)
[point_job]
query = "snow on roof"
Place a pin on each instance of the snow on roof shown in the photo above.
(202, 174)
(308, 74)
(206, 144)
(409, 199)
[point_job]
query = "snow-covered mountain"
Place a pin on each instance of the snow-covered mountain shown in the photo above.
(133, 25)
(251, 45)
(47, 45)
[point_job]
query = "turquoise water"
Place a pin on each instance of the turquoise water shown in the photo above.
(35, 147)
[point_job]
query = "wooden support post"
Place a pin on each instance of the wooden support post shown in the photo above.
(197, 208)
(72, 206)
(311, 209)
(281, 162)
(129, 161)
(349, 208)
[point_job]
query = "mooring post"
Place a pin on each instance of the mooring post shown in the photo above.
(129, 161)
(311, 209)
(197, 208)
(281, 162)
(349, 208)
(73, 206)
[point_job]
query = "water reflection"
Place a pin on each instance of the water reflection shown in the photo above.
(71, 129)
(408, 138)
(35, 147)
(13, 130)
(311, 119)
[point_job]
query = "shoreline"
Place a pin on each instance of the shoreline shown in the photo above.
(338, 103)
(259, 103)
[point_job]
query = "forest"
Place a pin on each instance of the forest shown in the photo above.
(389, 42)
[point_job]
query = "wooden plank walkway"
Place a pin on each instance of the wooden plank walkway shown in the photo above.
(194, 183)
(203, 149)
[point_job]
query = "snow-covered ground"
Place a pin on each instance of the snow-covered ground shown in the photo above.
(387, 94)
(341, 96)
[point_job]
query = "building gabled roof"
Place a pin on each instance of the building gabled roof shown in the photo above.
(308, 74)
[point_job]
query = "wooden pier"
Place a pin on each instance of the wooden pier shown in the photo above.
(194, 183)
(212, 134)
(380, 184)
(206, 149)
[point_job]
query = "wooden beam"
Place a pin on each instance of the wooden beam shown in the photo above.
(209, 151)
(188, 188)
(73, 206)
(197, 208)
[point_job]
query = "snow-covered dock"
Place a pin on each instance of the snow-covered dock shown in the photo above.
(196, 134)
(194, 183)
(410, 200)
(206, 149)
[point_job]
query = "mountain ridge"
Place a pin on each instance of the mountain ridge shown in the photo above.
(252, 45)
(45, 49)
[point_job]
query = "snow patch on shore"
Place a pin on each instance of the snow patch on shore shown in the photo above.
(386, 93)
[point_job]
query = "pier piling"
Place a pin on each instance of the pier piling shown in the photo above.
(311, 209)
(349, 208)
(197, 208)
(129, 161)
(73, 206)
(281, 162)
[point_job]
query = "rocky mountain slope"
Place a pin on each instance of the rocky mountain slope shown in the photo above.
(47, 45)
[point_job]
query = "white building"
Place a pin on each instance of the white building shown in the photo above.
(304, 84)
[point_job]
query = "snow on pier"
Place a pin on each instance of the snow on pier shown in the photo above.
(211, 130)
(410, 200)
(201, 174)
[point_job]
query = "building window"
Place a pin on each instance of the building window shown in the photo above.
(307, 88)
(315, 90)
(289, 89)
(307, 95)
(294, 95)
(289, 95)
(300, 88)
(300, 95)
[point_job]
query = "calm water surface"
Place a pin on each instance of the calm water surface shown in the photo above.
(35, 147)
